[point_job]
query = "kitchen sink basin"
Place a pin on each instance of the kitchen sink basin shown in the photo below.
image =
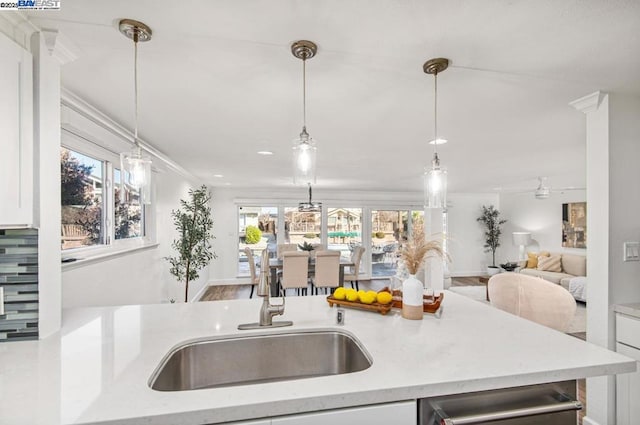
(245, 360)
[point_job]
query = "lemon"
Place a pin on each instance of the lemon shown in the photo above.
(351, 295)
(340, 294)
(361, 293)
(384, 297)
(372, 294)
(368, 298)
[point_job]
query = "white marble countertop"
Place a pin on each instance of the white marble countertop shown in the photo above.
(96, 370)
(632, 309)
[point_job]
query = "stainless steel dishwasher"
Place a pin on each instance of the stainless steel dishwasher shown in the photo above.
(548, 404)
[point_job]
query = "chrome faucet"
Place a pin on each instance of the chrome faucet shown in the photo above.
(268, 310)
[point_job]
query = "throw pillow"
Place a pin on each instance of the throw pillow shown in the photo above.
(551, 263)
(532, 258)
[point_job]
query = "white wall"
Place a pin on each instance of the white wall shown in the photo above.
(141, 277)
(541, 217)
(465, 233)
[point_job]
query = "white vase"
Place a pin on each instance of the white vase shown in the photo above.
(412, 298)
(492, 270)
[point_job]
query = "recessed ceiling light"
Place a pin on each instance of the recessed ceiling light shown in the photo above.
(227, 184)
(438, 142)
(265, 153)
(219, 176)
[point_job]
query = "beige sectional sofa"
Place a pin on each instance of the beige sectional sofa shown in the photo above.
(572, 265)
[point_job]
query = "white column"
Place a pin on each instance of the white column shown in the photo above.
(434, 266)
(48, 55)
(601, 390)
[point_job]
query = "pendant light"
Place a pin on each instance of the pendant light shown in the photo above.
(435, 178)
(310, 206)
(133, 163)
(304, 148)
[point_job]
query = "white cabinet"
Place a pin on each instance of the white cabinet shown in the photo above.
(401, 413)
(628, 384)
(16, 135)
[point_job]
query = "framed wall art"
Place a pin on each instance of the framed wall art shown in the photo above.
(574, 225)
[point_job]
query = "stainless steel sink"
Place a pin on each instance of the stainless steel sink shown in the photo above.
(245, 360)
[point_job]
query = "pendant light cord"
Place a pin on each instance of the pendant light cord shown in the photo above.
(435, 114)
(304, 93)
(135, 89)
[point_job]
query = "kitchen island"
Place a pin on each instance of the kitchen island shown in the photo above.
(97, 369)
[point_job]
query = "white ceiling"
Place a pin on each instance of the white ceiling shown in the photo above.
(218, 83)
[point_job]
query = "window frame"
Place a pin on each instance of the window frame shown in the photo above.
(111, 160)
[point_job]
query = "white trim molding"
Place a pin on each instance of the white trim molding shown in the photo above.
(74, 105)
(588, 421)
(588, 103)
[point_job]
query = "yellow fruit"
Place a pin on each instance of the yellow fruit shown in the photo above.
(384, 297)
(352, 295)
(368, 298)
(340, 294)
(361, 293)
(373, 294)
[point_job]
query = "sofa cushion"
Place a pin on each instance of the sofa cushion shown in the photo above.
(552, 263)
(532, 258)
(550, 276)
(574, 264)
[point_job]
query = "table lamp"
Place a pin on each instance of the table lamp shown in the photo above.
(522, 239)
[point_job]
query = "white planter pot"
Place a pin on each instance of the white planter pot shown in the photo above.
(493, 270)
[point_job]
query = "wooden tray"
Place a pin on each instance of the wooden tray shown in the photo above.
(380, 308)
(430, 304)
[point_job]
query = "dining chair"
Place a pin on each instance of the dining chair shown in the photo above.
(295, 271)
(285, 247)
(356, 257)
(252, 269)
(532, 298)
(327, 272)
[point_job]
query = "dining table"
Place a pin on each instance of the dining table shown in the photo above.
(276, 264)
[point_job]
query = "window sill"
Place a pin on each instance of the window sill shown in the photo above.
(103, 255)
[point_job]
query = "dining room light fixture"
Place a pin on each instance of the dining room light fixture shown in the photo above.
(304, 147)
(310, 206)
(435, 178)
(133, 163)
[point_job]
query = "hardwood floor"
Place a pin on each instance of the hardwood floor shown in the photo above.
(233, 292)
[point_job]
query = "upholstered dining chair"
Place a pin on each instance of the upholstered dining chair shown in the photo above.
(356, 257)
(252, 269)
(285, 247)
(295, 271)
(533, 298)
(327, 273)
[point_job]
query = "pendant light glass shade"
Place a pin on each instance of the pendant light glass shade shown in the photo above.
(435, 186)
(304, 159)
(137, 171)
(304, 147)
(136, 168)
(435, 178)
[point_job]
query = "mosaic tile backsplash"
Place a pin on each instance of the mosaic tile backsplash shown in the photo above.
(19, 279)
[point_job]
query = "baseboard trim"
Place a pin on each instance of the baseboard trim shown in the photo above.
(587, 421)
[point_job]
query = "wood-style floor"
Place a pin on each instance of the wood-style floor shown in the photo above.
(233, 292)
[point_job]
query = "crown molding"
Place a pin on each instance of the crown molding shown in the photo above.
(15, 25)
(589, 103)
(75, 103)
(59, 46)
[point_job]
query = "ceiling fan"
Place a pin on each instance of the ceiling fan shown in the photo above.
(543, 191)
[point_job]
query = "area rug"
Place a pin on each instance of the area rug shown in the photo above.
(479, 293)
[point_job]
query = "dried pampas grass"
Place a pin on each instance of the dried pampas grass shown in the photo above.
(417, 248)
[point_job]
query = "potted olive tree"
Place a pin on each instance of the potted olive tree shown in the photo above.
(193, 247)
(490, 219)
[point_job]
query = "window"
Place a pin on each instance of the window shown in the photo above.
(301, 227)
(389, 230)
(257, 230)
(344, 229)
(126, 206)
(94, 211)
(82, 199)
